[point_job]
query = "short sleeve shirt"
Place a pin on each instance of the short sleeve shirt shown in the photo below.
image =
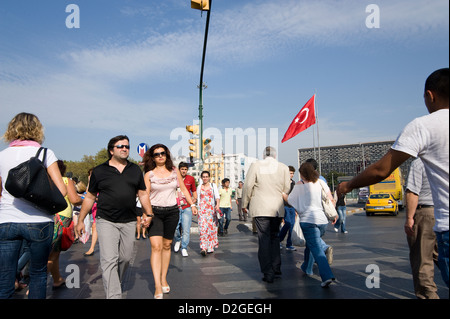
(189, 182)
(418, 182)
(116, 191)
(307, 201)
(427, 137)
(225, 197)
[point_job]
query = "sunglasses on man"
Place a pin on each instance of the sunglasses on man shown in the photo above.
(122, 146)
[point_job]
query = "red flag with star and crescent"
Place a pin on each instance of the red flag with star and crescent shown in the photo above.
(304, 119)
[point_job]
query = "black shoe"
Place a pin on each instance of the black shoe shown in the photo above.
(268, 278)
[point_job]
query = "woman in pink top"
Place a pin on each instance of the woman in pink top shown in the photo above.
(162, 180)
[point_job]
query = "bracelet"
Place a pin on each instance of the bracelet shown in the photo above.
(151, 215)
(193, 205)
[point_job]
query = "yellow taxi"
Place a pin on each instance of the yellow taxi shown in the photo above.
(381, 203)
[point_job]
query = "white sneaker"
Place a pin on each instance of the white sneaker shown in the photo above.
(176, 247)
(326, 283)
(184, 252)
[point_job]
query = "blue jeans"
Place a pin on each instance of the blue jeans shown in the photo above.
(442, 242)
(185, 223)
(315, 246)
(226, 211)
(342, 212)
(39, 238)
(289, 220)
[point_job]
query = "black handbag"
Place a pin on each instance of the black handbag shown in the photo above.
(31, 182)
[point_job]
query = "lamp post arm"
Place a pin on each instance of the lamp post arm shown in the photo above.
(200, 108)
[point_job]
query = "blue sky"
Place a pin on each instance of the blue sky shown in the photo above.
(133, 68)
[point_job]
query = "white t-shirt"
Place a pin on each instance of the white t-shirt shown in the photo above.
(17, 210)
(307, 201)
(427, 137)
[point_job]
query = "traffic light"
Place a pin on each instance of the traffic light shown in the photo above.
(206, 147)
(193, 149)
(200, 5)
(193, 129)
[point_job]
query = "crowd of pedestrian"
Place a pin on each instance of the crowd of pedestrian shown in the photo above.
(126, 203)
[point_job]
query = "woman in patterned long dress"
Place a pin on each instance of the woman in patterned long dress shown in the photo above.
(208, 200)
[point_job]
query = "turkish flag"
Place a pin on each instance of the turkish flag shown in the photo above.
(304, 119)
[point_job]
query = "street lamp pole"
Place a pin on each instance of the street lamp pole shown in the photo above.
(201, 85)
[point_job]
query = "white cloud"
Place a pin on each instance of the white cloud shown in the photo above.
(90, 81)
(257, 31)
(157, 56)
(65, 100)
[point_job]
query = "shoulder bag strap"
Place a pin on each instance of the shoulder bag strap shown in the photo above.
(214, 193)
(39, 152)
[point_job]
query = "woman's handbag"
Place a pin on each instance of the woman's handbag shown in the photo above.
(68, 237)
(30, 181)
(297, 234)
(219, 214)
(328, 207)
(68, 234)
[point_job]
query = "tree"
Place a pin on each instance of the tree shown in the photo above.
(332, 179)
(81, 168)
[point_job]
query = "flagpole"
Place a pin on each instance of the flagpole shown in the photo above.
(314, 143)
(318, 138)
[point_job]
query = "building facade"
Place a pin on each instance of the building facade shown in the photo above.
(349, 160)
(220, 166)
(236, 167)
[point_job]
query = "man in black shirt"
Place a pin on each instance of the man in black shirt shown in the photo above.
(116, 183)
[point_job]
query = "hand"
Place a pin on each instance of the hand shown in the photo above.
(79, 230)
(343, 189)
(245, 210)
(194, 210)
(145, 221)
(409, 224)
(335, 220)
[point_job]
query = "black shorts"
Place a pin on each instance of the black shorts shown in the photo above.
(165, 221)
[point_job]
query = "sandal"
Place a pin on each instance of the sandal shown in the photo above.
(166, 290)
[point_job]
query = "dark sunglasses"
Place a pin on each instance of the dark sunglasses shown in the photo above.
(159, 154)
(122, 146)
